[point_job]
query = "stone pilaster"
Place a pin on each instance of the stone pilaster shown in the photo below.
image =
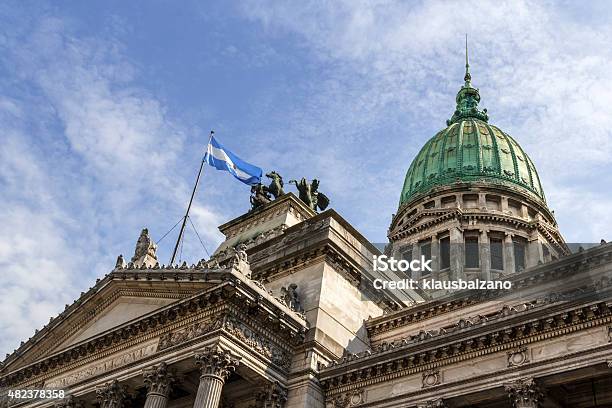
(159, 382)
(215, 367)
(485, 254)
(272, 396)
(524, 393)
(508, 250)
(112, 395)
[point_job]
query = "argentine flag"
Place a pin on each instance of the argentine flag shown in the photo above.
(222, 159)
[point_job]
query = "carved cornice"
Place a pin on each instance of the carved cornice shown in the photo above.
(267, 312)
(569, 266)
(429, 350)
(216, 362)
(159, 380)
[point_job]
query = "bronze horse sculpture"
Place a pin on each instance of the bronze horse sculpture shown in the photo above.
(310, 195)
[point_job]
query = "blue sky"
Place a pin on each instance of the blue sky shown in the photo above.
(105, 108)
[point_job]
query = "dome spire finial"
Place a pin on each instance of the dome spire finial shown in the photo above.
(467, 78)
(467, 97)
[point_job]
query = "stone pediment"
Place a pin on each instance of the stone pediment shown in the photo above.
(112, 302)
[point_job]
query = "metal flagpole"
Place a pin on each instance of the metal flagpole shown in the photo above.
(195, 187)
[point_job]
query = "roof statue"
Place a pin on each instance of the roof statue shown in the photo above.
(145, 253)
(261, 194)
(310, 195)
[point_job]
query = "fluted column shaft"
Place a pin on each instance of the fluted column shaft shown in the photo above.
(215, 366)
(209, 392)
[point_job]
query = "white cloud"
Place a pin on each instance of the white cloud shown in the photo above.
(87, 159)
(546, 79)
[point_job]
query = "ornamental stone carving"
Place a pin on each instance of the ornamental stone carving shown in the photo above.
(112, 395)
(159, 380)
(518, 357)
(348, 399)
(524, 393)
(145, 253)
(189, 333)
(213, 361)
(290, 298)
(431, 378)
(69, 402)
(437, 403)
(257, 342)
(272, 396)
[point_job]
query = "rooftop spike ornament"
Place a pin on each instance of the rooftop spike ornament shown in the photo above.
(467, 78)
(467, 98)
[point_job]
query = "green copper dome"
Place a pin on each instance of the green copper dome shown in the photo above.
(471, 150)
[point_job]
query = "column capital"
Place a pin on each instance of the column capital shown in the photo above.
(69, 402)
(273, 395)
(159, 379)
(524, 393)
(214, 361)
(437, 403)
(112, 395)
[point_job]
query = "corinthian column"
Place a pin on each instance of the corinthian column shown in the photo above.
(112, 395)
(215, 366)
(524, 393)
(159, 382)
(272, 396)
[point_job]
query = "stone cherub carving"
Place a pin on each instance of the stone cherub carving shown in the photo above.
(290, 296)
(310, 195)
(145, 253)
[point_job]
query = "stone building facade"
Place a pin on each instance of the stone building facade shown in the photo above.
(285, 313)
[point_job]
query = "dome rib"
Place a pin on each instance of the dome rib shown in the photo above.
(441, 163)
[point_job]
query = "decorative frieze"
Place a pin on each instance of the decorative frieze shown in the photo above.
(189, 333)
(102, 366)
(351, 398)
(399, 358)
(257, 342)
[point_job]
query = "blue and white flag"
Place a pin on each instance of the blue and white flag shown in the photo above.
(222, 159)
